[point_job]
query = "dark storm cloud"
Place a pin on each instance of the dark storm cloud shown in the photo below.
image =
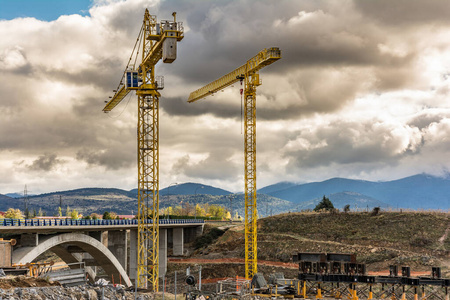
(45, 162)
(216, 166)
(103, 73)
(224, 108)
(345, 143)
(316, 38)
(307, 35)
(112, 158)
(405, 12)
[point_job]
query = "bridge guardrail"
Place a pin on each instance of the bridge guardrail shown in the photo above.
(84, 222)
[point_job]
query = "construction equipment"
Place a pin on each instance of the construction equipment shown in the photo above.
(249, 74)
(158, 41)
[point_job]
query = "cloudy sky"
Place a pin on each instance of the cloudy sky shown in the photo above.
(362, 91)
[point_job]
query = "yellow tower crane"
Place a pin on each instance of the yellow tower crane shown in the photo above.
(249, 74)
(156, 41)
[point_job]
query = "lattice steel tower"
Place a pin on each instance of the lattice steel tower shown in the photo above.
(249, 73)
(158, 41)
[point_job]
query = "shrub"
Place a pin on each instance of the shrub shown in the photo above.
(347, 208)
(325, 204)
(375, 211)
(208, 238)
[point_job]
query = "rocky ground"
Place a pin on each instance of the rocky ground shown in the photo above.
(30, 288)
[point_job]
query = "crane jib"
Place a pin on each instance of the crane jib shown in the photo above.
(259, 61)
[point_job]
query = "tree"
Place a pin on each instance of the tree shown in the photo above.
(74, 214)
(106, 216)
(169, 211)
(59, 211)
(325, 204)
(375, 211)
(199, 210)
(12, 213)
(217, 211)
(27, 213)
(68, 211)
(188, 209)
(40, 213)
(347, 208)
(95, 216)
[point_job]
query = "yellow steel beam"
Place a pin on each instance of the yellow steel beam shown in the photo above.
(254, 64)
(118, 97)
(251, 82)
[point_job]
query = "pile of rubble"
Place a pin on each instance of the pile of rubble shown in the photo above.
(31, 288)
(71, 293)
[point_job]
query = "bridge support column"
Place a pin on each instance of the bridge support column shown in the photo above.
(117, 244)
(162, 252)
(178, 241)
(133, 254)
(29, 240)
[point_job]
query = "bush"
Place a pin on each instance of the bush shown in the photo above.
(347, 208)
(208, 238)
(325, 204)
(375, 211)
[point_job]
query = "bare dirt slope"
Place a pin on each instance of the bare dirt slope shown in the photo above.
(416, 239)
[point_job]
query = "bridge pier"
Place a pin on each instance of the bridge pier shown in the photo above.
(178, 241)
(162, 252)
(132, 268)
(117, 244)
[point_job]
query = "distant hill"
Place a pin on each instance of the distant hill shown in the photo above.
(85, 201)
(357, 202)
(189, 189)
(14, 195)
(192, 189)
(276, 187)
(415, 192)
(267, 205)
(7, 202)
(87, 192)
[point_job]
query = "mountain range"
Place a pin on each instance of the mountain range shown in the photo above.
(416, 192)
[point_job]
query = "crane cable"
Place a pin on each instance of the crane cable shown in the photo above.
(138, 40)
(131, 56)
(241, 91)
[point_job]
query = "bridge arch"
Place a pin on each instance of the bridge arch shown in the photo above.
(97, 250)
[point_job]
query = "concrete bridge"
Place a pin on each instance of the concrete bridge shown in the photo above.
(110, 244)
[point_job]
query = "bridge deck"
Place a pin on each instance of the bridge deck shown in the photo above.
(67, 225)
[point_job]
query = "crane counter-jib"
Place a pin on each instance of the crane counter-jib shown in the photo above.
(262, 59)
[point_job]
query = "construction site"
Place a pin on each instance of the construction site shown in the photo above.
(148, 256)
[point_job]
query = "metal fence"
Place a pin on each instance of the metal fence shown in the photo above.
(83, 222)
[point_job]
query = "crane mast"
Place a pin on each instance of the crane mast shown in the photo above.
(250, 75)
(159, 41)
